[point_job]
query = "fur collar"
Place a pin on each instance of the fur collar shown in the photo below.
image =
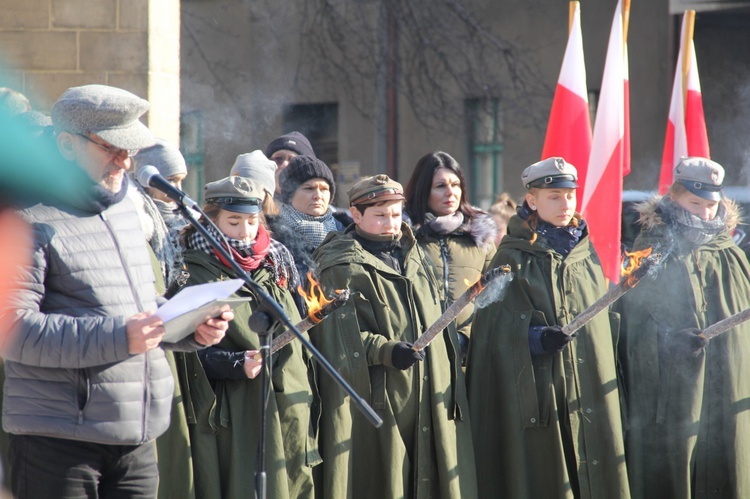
(482, 229)
(650, 219)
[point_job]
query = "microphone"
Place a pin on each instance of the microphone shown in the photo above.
(149, 176)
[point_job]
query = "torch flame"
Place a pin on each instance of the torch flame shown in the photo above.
(634, 261)
(315, 300)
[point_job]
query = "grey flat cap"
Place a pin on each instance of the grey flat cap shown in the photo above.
(256, 166)
(164, 156)
(235, 193)
(550, 173)
(109, 112)
(701, 176)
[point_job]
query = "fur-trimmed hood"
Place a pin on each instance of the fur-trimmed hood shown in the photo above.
(650, 219)
(481, 228)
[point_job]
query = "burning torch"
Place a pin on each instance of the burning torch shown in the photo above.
(640, 264)
(318, 308)
(461, 303)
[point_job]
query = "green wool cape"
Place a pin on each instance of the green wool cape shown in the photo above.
(423, 449)
(225, 414)
(546, 426)
(688, 418)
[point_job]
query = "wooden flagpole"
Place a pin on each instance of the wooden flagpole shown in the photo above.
(687, 39)
(572, 8)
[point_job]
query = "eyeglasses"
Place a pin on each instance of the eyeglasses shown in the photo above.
(113, 151)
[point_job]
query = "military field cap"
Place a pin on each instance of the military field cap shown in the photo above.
(375, 189)
(109, 112)
(164, 156)
(701, 176)
(550, 173)
(235, 193)
(256, 166)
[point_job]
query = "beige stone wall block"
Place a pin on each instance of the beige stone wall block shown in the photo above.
(164, 95)
(114, 51)
(98, 14)
(38, 50)
(133, 14)
(46, 88)
(26, 14)
(136, 83)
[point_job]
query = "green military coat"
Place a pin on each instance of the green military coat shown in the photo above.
(424, 447)
(688, 419)
(225, 417)
(546, 426)
(460, 258)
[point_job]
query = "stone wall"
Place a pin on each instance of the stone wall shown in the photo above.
(47, 46)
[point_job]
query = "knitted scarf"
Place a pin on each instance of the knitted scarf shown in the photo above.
(689, 227)
(263, 251)
(312, 229)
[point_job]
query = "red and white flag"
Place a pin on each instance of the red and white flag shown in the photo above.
(610, 152)
(569, 127)
(686, 128)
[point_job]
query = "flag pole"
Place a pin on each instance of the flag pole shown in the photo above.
(572, 8)
(625, 20)
(687, 38)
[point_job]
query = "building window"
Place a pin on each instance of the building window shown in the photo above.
(485, 128)
(320, 124)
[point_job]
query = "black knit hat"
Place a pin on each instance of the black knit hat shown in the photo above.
(300, 170)
(292, 141)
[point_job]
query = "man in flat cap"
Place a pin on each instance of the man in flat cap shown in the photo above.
(88, 388)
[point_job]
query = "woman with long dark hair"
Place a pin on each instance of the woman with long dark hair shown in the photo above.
(457, 237)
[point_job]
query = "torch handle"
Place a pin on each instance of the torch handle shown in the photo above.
(725, 325)
(457, 306)
(584, 317)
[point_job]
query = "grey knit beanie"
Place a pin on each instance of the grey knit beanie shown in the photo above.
(164, 156)
(256, 166)
(300, 170)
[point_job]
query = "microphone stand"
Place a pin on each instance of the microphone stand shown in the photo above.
(261, 322)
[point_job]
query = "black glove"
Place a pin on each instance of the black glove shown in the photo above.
(554, 340)
(686, 342)
(403, 357)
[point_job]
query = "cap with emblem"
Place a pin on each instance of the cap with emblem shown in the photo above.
(550, 173)
(238, 194)
(701, 176)
(109, 112)
(375, 189)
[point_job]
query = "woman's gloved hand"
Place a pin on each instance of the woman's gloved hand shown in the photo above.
(403, 356)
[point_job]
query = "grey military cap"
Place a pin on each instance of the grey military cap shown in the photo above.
(238, 194)
(551, 172)
(701, 176)
(109, 112)
(256, 166)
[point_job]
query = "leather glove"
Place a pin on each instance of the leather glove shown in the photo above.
(554, 340)
(403, 357)
(548, 339)
(686, 342)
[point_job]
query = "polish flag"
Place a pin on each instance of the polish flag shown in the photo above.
(569, 127)
(610, 151)
(686, 128)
